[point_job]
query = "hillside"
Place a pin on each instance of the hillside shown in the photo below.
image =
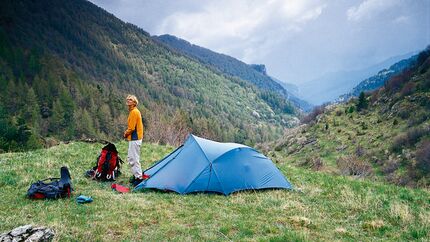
(376, 81)
(325, 207)
(230, 66)
(384, 135)
(67, 66)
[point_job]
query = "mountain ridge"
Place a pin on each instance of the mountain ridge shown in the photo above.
(254, 73)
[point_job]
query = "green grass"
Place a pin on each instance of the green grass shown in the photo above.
(325, 207)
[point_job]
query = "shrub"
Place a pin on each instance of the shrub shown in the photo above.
(425, 84)
(411, 137)
(415, 134)
(335, 123)
(395, 83)
(399, 142)
(424, 100)
(360, 151)
(390, 166)
(405, 110)
(315, 163)
(312, 115)
(423, 158)
(279, 147)
(418, 118)
(408, 89)
(375, 96)
(404, 113)
(353, 166)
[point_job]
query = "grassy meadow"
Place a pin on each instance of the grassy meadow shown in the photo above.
(322, 208)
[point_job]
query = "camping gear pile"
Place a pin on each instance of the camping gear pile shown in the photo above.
(107, 169)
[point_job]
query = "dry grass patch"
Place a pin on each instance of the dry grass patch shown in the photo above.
(351, 165)
(294, 205)
(356, 201)
(340, 230)
(373, 225)
(401, 211)
(300, 221)
(424, 217)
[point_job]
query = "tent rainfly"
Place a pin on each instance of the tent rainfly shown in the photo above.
(202, 165)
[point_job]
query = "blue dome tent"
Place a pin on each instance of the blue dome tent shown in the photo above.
(202, 165)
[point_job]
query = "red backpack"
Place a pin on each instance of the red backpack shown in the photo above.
(108, 164)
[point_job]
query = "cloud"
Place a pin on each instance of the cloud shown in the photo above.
(369, 8)
(301, 11)
(401, 19)
(251, 25)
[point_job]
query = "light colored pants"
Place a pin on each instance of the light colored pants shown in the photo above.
(133, 157)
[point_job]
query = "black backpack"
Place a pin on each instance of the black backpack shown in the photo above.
(57, 188)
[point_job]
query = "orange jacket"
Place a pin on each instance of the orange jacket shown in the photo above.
(135, 126)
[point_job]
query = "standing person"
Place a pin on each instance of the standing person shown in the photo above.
(134, 135)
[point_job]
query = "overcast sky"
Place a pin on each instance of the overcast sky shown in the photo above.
(297, 40)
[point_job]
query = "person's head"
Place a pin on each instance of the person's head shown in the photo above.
(132, 101)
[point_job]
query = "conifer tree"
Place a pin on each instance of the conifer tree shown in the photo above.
(11, 101)
(40, 86)
(105, 118)
(84, 124)
(68, 105)
(57, 121)
(362, 102)
(32, 110)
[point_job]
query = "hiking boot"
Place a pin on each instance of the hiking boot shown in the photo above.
(136, 181)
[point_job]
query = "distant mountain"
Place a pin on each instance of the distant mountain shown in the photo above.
(331, 85)
(254, 73)
(291, 88)
(378, 80)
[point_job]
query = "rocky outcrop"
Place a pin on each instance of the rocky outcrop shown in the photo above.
(28, 233)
